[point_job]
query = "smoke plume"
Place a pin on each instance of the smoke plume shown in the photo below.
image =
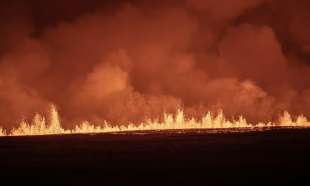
(129, 60)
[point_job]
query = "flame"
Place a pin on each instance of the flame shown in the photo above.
(39, 126)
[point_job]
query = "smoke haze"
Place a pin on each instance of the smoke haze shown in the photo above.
(130, 60)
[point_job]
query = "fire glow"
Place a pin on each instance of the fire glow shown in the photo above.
(39, 125)
(128, 63)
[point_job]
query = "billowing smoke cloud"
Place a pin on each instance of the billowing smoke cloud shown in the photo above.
(132, 60)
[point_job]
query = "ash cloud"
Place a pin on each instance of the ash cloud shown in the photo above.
(130, 60)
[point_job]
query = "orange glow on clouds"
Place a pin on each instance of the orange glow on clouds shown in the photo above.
(133, 61)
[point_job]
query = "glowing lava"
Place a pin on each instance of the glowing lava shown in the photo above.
(39, 126)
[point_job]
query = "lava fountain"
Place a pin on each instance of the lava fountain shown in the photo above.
(178, 121)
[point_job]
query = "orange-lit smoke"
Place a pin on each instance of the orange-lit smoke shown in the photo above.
(134, 60)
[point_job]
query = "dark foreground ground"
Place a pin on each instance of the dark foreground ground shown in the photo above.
(279, 156)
